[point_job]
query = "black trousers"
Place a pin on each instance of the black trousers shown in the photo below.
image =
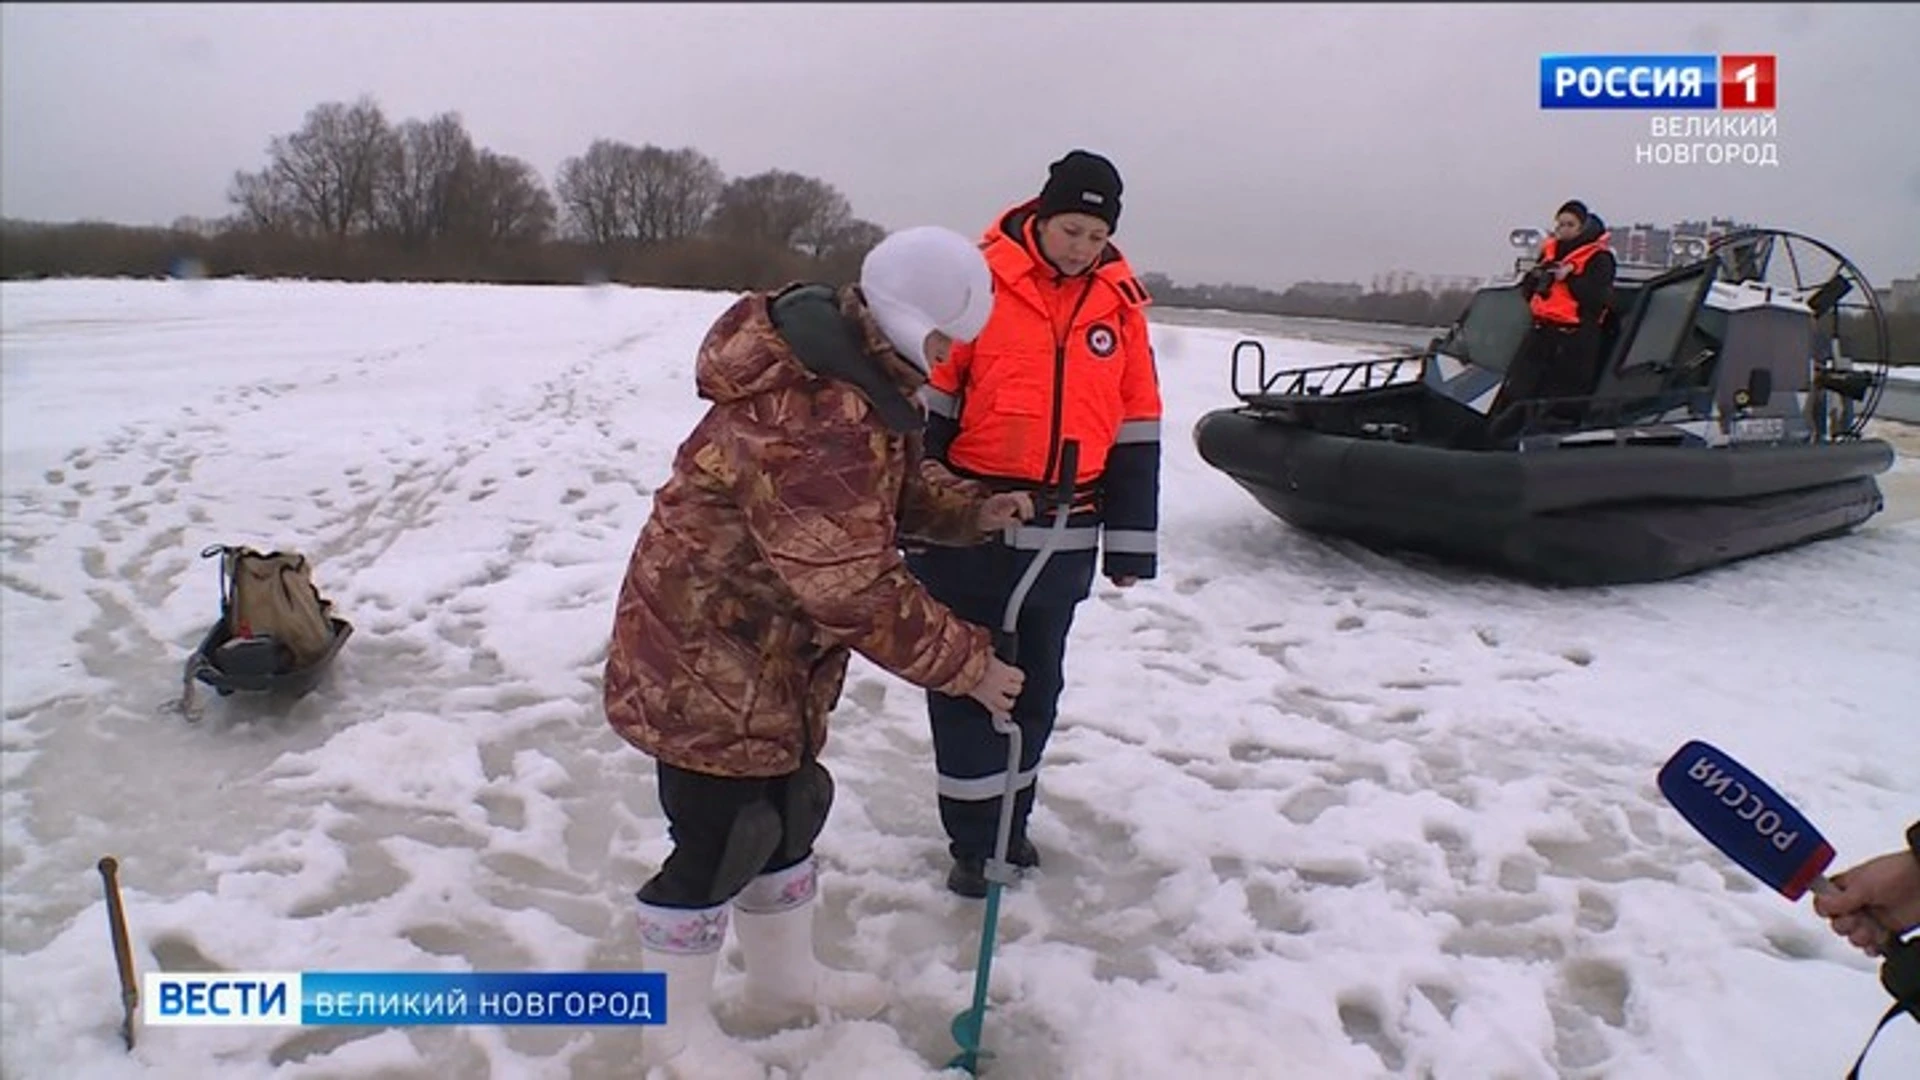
(715, 822)
(970, 757)
(1554, 362)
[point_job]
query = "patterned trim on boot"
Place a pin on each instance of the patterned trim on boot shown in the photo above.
(782, 890)
(685, 931)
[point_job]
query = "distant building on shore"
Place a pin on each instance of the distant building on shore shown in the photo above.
(1901, 296)
(1646, 244)
(1406, 281)
(1328, 290)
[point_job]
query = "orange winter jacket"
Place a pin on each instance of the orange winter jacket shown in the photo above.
(1060, 359)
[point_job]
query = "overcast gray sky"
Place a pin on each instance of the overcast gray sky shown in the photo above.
(1259, 144)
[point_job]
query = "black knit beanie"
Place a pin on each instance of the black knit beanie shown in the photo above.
(1575, 207)
(1082, 183)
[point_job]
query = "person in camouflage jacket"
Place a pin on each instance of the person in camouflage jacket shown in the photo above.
(771, 554)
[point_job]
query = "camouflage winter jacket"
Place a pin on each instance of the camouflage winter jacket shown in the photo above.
(772, 551)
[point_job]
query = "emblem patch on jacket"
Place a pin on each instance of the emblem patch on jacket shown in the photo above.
(1101, 340)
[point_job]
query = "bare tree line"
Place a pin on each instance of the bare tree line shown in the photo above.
(348, 171)
(350, 194)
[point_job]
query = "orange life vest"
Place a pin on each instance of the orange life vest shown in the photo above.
(1558, 305)
(1061, 358)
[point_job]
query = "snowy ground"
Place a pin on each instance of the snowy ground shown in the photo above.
(1311, 812)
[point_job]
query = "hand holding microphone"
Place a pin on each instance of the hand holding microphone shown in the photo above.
(1877, 897)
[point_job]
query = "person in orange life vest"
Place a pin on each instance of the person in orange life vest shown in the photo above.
(1065, 356)
(1569, 291)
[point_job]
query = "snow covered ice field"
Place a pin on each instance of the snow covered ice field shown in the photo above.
(1310, 812)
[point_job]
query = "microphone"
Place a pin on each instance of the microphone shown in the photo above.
(1749, 822)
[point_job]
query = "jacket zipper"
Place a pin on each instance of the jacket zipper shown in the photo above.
(1057, 420)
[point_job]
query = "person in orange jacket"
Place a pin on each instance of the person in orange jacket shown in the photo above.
(1065, 357)
(1570, 291)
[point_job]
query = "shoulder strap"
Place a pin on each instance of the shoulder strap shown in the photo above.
(808, 317)
(1900, 974)
(1854, 1073)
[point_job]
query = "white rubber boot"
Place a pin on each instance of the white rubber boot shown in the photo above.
(685, 945)
(774, 917)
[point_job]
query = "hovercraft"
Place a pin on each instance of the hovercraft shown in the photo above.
(1726, 422)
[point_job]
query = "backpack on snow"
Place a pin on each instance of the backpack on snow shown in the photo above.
(275, 631)
(272, 595)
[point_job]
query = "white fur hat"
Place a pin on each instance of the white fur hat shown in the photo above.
(924, 279)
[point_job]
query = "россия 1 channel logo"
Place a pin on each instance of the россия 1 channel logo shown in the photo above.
(1717, 99)
(1744, 81)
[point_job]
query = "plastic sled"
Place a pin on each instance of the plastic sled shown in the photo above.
(259, 664)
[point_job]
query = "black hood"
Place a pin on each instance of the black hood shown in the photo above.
(1593, 230)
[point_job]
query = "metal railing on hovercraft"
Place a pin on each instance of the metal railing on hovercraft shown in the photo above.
(1325, 380)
